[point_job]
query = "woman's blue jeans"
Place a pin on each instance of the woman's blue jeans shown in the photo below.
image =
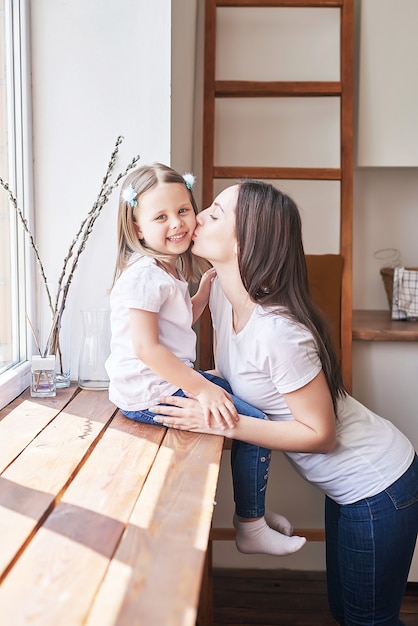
(369, 548)
(250, 464)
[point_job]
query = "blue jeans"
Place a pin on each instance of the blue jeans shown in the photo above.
(250, 464)
(369, 548)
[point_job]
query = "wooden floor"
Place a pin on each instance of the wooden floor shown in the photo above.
(282, 598)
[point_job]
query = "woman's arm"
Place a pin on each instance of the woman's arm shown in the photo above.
(313, 430)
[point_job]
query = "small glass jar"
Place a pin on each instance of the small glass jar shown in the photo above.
(43, 377)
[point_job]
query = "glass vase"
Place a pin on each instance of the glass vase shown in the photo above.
(55, 331)
(95, 348)
(63, 352)
(43, 376)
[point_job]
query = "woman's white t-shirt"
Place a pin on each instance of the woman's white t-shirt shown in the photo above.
(144, 285)
(274, 355)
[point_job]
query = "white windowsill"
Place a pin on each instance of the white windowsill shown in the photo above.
(13, 382)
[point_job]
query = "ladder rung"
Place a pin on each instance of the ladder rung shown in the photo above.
(280, 3)
(263, 89)
(228, 534)
(277, 173)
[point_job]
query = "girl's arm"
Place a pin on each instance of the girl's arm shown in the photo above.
(201, 297)
(312, 430)
(214, 400)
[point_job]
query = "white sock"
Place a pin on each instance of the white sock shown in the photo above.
(278, 522)
(258, 538)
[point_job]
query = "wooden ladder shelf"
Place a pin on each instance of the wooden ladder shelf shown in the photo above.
(343, 89)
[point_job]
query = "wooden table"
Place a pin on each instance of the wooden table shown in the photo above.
(103, 521)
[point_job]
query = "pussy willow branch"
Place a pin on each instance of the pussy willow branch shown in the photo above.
(24, 223)
(109, 170)
(88, 224)
(79, 240)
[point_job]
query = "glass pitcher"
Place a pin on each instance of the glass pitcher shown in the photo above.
(95, 348)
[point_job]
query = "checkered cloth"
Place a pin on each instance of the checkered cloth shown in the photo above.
(405, 294)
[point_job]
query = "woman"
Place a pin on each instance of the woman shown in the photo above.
(274, 349)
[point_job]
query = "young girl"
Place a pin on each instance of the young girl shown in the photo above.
(153, 345)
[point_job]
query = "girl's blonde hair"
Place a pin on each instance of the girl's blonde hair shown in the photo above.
(143, 179)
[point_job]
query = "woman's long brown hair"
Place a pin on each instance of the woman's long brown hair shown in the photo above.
(272, 264)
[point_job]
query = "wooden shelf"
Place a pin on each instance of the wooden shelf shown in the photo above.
(378, 326)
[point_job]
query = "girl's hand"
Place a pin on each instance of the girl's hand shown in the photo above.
(205, 282)
(201, 297)
(184, 414)
(217, 406)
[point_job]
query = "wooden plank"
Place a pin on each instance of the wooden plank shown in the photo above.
(208, 152)
(274, 89)
(228, 534)
(346, 203)
(70, 553)
(168, 530)
(205, 609)
(31, 485)
(280, 3)
(276, 173)
(297, 597)
(24, 419)
(208, 145)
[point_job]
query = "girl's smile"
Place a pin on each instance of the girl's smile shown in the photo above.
(178, 238)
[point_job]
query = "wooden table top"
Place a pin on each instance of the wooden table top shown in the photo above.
(103, 521)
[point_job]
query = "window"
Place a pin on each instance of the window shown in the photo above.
(15, 155)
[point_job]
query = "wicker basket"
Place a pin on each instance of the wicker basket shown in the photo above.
(387, 276)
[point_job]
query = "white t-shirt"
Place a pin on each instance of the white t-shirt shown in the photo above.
(144, 285)
(274, 355)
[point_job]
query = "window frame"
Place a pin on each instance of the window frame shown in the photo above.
(20, 177)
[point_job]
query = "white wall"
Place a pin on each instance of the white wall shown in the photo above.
(385, 374)
(385, 202)
(388, 120)
(99, 70)
(183, 67)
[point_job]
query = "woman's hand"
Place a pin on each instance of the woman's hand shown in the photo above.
(184, 414)
(313, 430)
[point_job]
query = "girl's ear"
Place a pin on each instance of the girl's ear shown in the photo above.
(138, 231)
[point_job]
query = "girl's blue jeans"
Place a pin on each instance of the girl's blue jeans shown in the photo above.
(369, 548)
(250, 464)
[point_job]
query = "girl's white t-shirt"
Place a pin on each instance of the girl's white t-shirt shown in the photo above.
(274, 355)
(144, 285)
